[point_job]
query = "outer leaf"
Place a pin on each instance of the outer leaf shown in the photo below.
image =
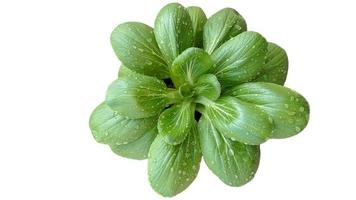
(208, 86)
(240, 59)
(172, 168)
(222, 26)
(135, 45)
(233, 162)
(189, 65)
(198, 18)
(288, 109)
(109, 127)
(276, 67)
(175, 122)
(238, 120)
(173, 30)
(136, 96)
(137, 149)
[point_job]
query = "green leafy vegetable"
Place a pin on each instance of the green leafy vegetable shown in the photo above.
(288, 109)
(137, 149)
(222, 26)
(137, 96)
(238, 120)
(233, 162)
(194, 87)
(135, 45)
(189, 65)
(109, 127)
(173, 31)
(208, 86)
(172, 168)
(198, 19)
(276, 67)
(174, 123)
(240, 59)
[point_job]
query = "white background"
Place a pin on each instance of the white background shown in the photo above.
(56, 62)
